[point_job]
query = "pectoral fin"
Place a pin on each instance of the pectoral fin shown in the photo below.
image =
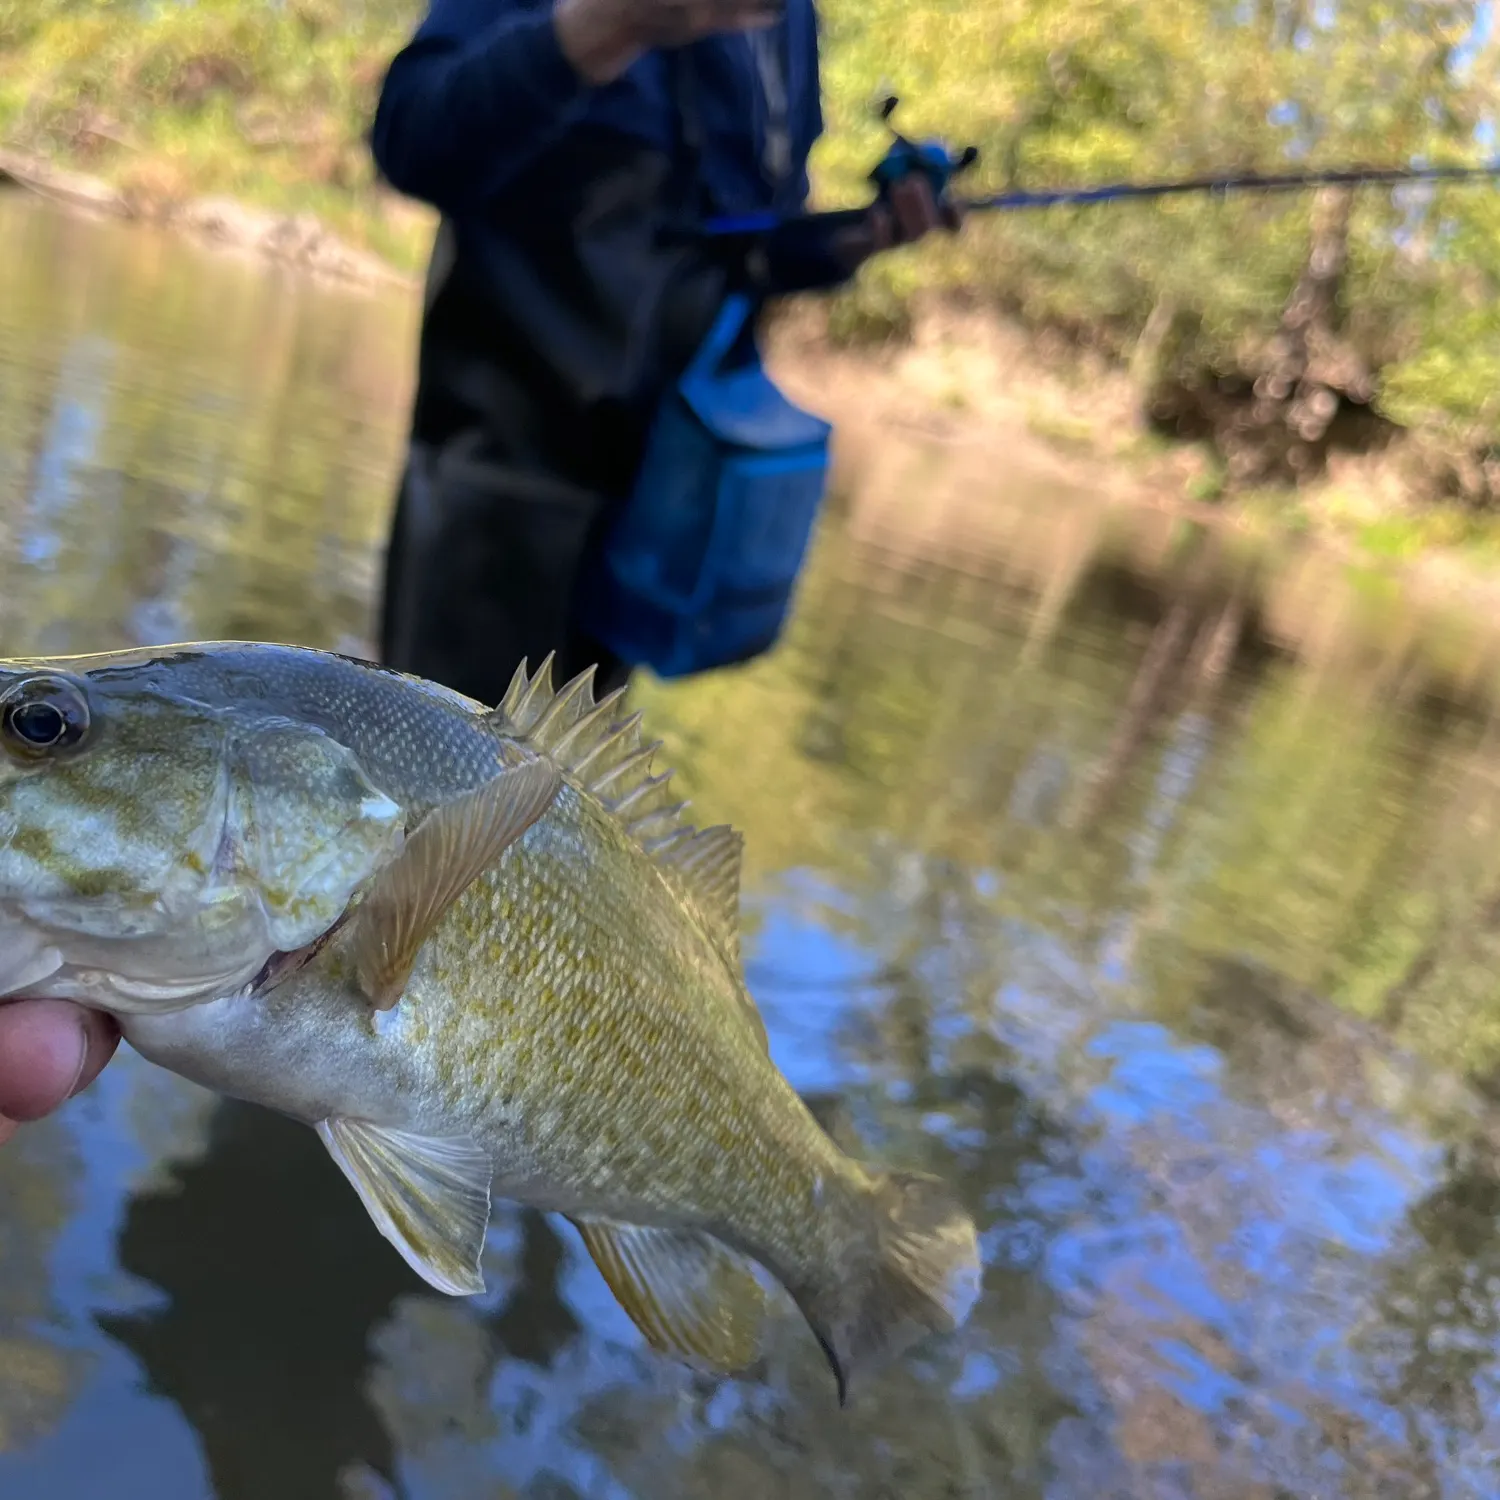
(446, 853)
(429, 1197)
(688, 1294)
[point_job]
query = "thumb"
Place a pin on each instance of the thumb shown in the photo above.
(49, 1051)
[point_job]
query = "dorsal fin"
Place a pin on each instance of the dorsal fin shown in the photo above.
(608, 758)
(708, 863)
(604, 755)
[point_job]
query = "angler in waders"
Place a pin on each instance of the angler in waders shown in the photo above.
(598, 464)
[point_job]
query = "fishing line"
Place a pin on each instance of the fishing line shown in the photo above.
(940, 166)
(1007, 202)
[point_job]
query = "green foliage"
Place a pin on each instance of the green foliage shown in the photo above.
(1060, 95)
(272, 103)
(1453, 378)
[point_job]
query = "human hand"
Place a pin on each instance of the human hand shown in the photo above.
(49, 1051)
(601, 38)
(909, 210)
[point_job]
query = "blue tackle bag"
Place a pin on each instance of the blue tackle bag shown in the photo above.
(698, 567)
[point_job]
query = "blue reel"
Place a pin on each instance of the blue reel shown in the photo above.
(932, 158)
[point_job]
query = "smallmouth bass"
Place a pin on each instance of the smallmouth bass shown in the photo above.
(480, 951)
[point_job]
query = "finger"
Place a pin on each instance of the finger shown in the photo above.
(710, 16)
(49, 1050)
(103, 1040)
(881, 228)
(7, 1129)
(912, 204)
(853, 245)
(925, 203)
(900, 198)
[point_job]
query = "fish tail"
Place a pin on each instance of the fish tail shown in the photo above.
(920, 1275)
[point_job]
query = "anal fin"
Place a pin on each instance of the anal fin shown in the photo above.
(449, 850)
(688, 1294)
(429, 1196)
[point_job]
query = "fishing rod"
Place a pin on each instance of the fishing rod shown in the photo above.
(934, 160)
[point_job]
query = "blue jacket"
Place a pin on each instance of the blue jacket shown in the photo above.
(483, 94)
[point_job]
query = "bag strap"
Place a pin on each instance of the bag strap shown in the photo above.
(690, 192)
(721, 337)
(769, 51)
(689, 189)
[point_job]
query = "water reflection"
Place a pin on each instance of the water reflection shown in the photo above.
(37, 1373)
(207, 453)
(1144, 885)
(272, 1374)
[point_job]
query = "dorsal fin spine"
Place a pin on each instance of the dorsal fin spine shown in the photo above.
(622, 741)
(650, 825)
(622, 769)
(634, 798)
(596, 716)
(667, 841)
(607, 758)
(559, 708)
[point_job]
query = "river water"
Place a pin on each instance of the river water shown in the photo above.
(1144, 885)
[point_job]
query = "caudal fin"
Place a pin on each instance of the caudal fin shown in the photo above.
(921, 1277)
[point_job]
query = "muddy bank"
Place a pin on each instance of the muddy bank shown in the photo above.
(936, 435)
(299, 240)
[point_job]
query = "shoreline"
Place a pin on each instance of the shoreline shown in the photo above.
(966, 382)
(300, 240)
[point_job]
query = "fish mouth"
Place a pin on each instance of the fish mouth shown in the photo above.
(157, 970)
(48, 976)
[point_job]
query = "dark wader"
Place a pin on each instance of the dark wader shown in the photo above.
(537, 380)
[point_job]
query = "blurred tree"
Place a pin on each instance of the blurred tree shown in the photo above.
(1281, 328)
(1310, 311)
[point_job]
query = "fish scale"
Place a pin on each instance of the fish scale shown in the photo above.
(483, 953)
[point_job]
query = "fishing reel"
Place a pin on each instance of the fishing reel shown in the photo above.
(932, 158)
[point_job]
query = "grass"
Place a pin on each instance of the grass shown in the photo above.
(268, 105)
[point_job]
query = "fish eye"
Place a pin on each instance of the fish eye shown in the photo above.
(41, 716)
